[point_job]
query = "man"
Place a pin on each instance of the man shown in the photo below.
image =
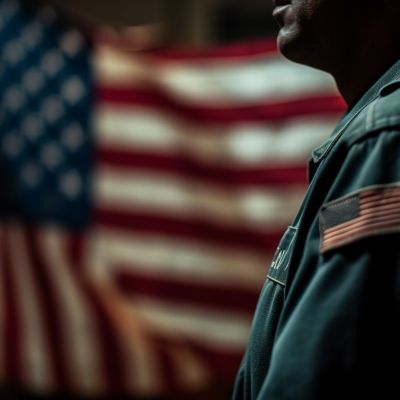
(327, 322)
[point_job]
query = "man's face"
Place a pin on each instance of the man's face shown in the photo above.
(314, 31)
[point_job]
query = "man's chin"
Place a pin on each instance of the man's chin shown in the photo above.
(290, 46)
(286, 43)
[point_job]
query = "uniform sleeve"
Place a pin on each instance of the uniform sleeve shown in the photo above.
(339, 335)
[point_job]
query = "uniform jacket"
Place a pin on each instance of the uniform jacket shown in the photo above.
(327, 322)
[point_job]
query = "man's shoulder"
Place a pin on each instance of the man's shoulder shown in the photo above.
(383, 113)
(387, 107)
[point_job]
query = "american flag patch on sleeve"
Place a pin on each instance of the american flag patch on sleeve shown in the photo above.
(371, 211)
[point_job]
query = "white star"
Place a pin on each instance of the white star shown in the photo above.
(71, 42)
(73, 90)
(51, 155)
(13, 144)
(33, 80)
(72, 137)
(52, 109)
(71, 184)
(32, 35)
(14, 99)
(14, 52)
(32, 126)
(52, 62)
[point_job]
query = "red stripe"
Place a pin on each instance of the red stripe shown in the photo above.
(111, 356)
(167, 371)
(374, 195)
(369, 227)
(183, 166)
(225, 53)
(391, 207)
(222, 296)
(12, 327)
(194, 228)
(323, 103)
(368, 222)
(47, 298)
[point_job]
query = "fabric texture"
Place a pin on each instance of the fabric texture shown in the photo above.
(333, 330)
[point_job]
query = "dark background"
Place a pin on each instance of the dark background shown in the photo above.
(189, 22)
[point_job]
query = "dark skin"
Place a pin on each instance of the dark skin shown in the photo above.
(353, 40)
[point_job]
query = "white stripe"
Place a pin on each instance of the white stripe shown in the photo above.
(223, 330)
(81, 348)
(113, 66)
(241, 144)
(116, 67)
(183, 260)
(142, 372)
(184, 198)
(37, 372)
(271, 77)
(290, 141)
(135, 127)
(2, 306)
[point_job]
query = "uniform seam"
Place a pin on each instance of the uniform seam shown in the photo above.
(381, 124)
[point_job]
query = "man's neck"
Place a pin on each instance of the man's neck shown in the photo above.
(363, 68)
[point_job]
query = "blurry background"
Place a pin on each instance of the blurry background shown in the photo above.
(192, 22)
(152, 152)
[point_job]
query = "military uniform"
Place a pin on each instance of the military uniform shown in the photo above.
(327, 322)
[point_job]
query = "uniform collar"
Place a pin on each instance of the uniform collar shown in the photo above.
(389, 81)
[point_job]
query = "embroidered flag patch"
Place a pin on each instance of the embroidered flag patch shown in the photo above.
(368, 212)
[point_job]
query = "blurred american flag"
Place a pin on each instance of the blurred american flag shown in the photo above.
(143, 195)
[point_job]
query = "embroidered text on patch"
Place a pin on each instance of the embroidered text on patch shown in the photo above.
(369, 212)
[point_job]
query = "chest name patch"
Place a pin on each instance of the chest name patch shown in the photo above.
(368, 212)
